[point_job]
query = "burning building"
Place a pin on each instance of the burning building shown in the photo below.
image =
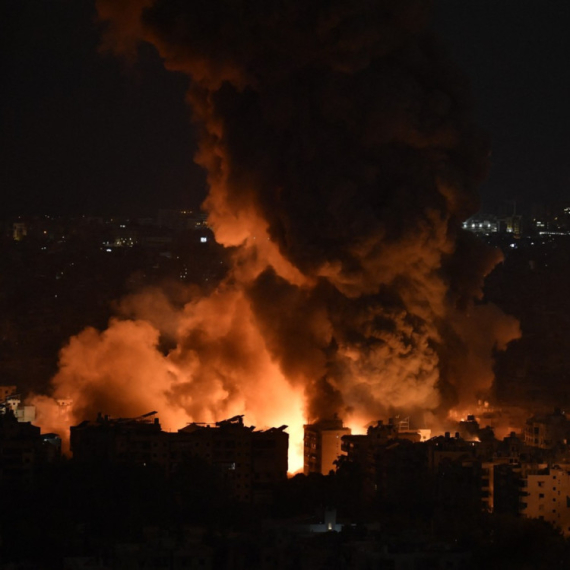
(341, 162)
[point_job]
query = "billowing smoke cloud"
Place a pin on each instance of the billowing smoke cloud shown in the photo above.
(341, 162)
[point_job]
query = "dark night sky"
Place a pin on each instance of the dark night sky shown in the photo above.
(516, 54)
(80, 132)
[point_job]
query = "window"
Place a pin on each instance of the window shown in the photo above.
(541, 495)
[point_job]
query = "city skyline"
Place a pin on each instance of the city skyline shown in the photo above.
(368, 138)
(328, 370)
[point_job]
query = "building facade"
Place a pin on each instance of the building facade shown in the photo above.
(546, 496)
(322, 445)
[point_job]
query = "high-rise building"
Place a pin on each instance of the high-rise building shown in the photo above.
(323, 445)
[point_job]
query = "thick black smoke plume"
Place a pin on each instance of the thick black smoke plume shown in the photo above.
(341, 160)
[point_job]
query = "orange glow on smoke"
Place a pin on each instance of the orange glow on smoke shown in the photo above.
(352, 285)
(459, 414)
(221, 368)
(356, 425)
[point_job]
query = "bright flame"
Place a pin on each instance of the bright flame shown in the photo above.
(219, 369)
(352, 286)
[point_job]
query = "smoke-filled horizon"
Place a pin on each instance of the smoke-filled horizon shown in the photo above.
(341, 160)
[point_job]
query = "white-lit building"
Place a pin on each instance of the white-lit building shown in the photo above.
(11, 400)
(482, 224)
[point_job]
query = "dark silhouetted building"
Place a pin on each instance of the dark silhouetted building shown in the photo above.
(123, 440)
(22, 451)
(547, 431)
(251, 462)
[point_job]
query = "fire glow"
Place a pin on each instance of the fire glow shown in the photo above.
(341, 163)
